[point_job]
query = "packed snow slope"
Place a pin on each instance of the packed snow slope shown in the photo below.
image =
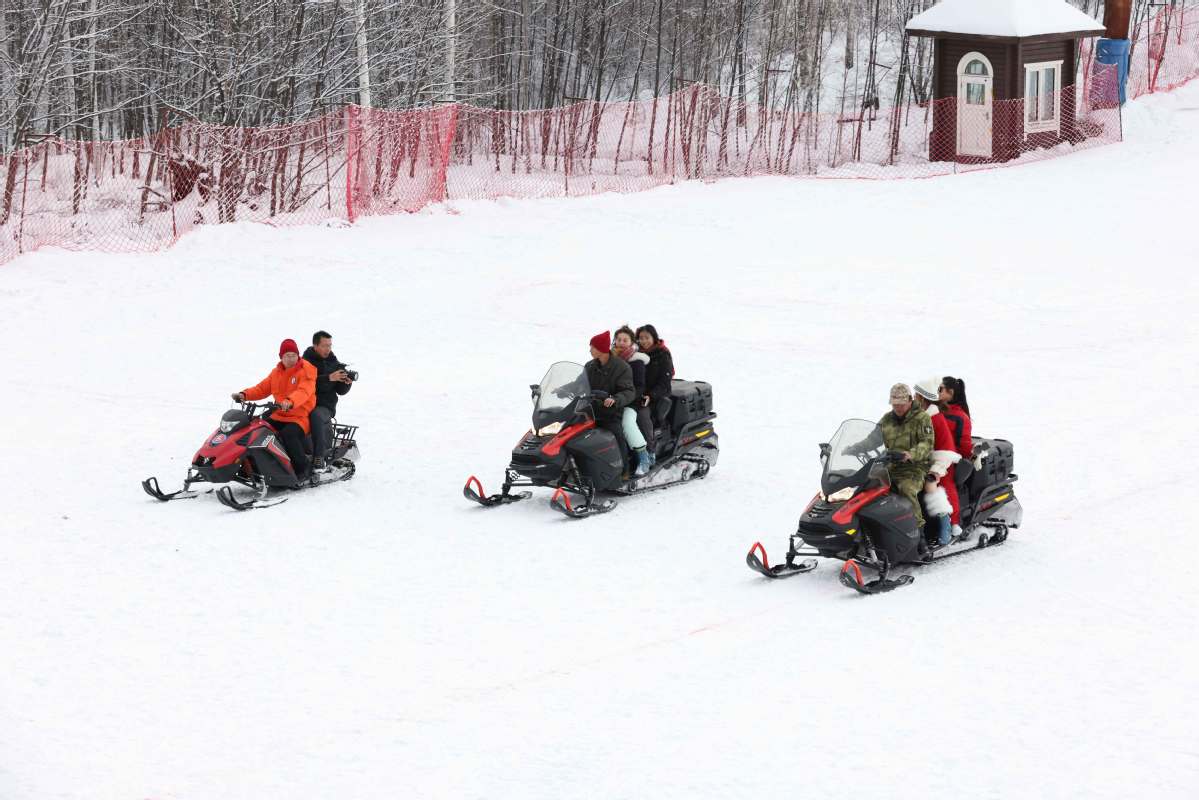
(383, 638)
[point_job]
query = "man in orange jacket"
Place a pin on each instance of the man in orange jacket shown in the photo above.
(293, 384)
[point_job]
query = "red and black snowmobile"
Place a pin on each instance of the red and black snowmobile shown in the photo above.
(246, 450)
(856, 518)
(567, 452)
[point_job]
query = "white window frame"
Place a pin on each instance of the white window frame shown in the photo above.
(1044, 126)
(975, 56)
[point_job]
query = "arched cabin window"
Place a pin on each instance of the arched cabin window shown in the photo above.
(976, 67)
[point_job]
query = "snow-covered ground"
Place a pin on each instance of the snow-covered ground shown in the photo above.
(383, 638)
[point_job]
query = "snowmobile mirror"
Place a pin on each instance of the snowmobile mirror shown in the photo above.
(534, 391)
(825, 451)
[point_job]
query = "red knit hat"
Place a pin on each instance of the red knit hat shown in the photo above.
(602, 342)
(288, 346)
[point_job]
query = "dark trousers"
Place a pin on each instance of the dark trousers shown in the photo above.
(646, 426)
(293, 442)
(322, 431)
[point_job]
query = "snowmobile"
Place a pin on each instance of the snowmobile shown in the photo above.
(566, 451)
(856, 518)
(246, 450)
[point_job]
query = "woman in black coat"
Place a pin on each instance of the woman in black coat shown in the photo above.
(658, 373)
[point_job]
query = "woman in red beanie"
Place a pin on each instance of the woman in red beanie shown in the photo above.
(293, 384)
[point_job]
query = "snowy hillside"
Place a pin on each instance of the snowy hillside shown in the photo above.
(383, 638)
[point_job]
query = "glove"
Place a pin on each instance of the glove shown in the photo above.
(238, 397)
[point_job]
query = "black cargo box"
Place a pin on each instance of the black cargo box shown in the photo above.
(999, 461)
(692, 401)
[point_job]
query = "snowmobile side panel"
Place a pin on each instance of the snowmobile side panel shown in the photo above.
(893, 527)
(597, 454)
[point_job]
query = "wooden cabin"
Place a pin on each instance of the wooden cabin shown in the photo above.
(988, 56)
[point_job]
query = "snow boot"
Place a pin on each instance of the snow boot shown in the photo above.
(643, 462)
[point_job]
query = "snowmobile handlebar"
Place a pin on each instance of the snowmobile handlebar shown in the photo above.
(265, 408)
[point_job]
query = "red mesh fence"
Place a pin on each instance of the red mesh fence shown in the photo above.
(699, 134)
(144, 194)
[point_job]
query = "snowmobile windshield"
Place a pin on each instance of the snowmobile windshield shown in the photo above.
(557, 396)
(848, 463)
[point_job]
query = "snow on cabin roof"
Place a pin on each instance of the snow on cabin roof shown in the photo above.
(1010, 18)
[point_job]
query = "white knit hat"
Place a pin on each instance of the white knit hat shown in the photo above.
(927, 388)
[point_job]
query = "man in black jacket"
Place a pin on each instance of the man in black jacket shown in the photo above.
(332, 381)
(614, 376)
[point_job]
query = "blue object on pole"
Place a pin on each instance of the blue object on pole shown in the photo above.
(1115, 51)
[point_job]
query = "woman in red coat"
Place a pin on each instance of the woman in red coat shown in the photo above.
(951, 396)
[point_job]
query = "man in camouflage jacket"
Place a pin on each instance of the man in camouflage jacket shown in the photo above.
(908, 431)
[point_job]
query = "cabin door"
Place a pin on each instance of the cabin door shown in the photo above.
(974, 106)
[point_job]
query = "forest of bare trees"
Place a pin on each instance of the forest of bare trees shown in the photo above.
(109, 69)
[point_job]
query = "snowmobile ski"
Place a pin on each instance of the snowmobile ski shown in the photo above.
(561, 502)
(150, 485)
(340, 470)
(851, 576)
(488, 501)
(786, 570)
(225, 495)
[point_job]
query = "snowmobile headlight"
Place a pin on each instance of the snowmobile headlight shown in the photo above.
(550, 430)
(841, 495)
(228, 425)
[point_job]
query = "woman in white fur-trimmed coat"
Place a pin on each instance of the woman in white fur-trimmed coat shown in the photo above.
(941, 490)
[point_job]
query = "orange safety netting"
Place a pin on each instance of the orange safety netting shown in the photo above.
(144, 194)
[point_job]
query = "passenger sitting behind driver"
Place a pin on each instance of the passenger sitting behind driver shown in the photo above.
(635, 422)
(658, 373)
(940, 489)
(613, 376)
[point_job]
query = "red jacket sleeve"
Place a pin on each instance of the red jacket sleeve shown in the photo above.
(261, 390)
(967, 443)
(942, 438)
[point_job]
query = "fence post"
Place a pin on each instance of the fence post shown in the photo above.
(24, 192)
(351, 159)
